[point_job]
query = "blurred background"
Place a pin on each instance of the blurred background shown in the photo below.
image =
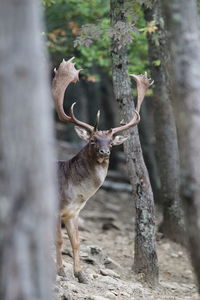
(82, 29)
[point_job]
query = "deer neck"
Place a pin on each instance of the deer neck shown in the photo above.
(86, 170)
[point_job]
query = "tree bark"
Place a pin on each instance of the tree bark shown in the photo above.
(145, 257)
(182, 22)
(147, 140)
(27, 192)
(167, 152)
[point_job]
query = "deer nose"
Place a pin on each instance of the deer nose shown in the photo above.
(104, 152)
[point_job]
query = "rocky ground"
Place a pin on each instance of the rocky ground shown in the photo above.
(107, 244)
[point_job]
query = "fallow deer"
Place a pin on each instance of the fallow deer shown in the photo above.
(80, 177)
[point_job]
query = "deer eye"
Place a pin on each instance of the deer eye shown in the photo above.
(92, 141)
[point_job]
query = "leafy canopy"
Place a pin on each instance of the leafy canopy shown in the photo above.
(82, 29)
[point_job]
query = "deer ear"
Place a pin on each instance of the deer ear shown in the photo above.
(82, 133)
(119, 139)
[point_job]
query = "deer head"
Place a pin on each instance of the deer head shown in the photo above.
(99, 142)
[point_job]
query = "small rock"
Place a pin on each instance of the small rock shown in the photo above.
(113, 291)
(109, 280)
(110, 295)
(87, 250)
(64, 278)
(89, 260)
(95, 250)
(110, 263)
(137, 285)
(66, 296)
(110, 225)
(171, 285)
(174, 255)
(67, 252)
(108, 272)
(188, 286)
(72, 287)
(125, 294)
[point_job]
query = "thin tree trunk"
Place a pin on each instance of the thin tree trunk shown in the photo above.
(145, 257)
(147, 136)
(165, 131)
(108, 101)
(80, 94)
(110, 112)
(27, 193)
(182, 22)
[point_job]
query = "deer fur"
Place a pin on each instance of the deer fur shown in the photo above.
(80, 177)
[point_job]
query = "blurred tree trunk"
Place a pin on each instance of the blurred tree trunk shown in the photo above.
(147, 139)
(110, 113)
(145, 257)
(165, 129)
(182, 24)
(27, 193)
(110, 109)
(80, 94)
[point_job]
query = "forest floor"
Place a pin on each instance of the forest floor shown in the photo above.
(107, 245)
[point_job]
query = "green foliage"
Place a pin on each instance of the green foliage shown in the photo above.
(156, 62)
(147, 3)
(82, 29)
(150, 27)
(48, 2)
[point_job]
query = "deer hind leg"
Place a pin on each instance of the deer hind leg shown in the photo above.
(59, 242)
(72, 230)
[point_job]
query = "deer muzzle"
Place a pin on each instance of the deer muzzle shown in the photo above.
(104, 152)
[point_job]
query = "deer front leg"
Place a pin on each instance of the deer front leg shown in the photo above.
(72, 230)
(59, 242)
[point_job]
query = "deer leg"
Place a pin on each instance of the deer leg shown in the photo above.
(72, 230)
(59, 242)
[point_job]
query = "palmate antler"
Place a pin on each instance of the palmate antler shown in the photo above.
(143, 83)
(67, 73)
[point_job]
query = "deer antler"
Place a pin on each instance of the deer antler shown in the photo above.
(66, 74)
(143, 83)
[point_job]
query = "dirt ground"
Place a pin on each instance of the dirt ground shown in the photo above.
(107, 245)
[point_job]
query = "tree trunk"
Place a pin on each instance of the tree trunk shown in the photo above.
(110, 113)
(165, 131)
(182, 22)
(147, 137)
(145, 257)
(27, 193)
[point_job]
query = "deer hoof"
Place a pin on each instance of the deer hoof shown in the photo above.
(61, 273)
(81, 277)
